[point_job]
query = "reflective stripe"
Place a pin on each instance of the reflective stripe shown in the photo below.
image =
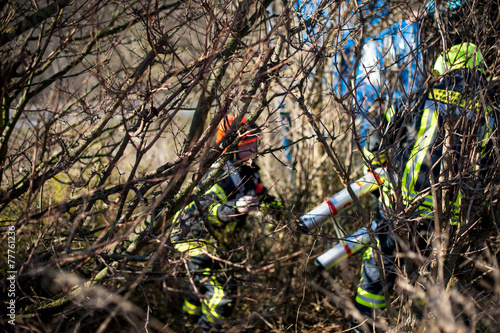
(427, 206)
(193, 247)
(380, 158)
(368, 253)
(271, 205)
(428, 200)
(389, 115)
(370, 300)
(190, 308)
(217, 189)
(226, 232)
(180, 212)
(368, 154)
(213, 217)
(426, 136)
(447, 97)
(209, 310)
(486, 137)
(230, 227)
(409, 197)
(452, 97)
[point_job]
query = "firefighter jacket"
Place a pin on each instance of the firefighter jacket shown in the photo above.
(430, 137)
(214, 219)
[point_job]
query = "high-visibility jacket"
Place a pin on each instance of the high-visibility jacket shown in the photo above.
(411, 136)
(217, 207)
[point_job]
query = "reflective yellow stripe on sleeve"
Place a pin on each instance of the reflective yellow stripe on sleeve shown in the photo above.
(218, 191)
(213, 218)
(212, 211)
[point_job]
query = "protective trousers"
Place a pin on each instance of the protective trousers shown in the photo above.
(212, 297)
(371, 289)
(370, 292)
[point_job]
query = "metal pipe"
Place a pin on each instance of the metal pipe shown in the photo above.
(344, 249)
(340, 201)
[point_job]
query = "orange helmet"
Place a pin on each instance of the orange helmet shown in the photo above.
(225, 124)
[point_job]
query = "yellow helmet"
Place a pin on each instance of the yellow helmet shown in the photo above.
(465, 55)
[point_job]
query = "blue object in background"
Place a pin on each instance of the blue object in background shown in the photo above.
(450, 5)
(286, 123)
(394, 50)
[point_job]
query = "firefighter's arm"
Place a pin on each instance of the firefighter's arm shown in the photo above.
(223, 211)
(219, 210)
(234, 210)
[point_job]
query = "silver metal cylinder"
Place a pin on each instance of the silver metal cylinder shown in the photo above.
(343, 250)
(340, 201)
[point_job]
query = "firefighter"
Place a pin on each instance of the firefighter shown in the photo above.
(214, 222)
(413, 139)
